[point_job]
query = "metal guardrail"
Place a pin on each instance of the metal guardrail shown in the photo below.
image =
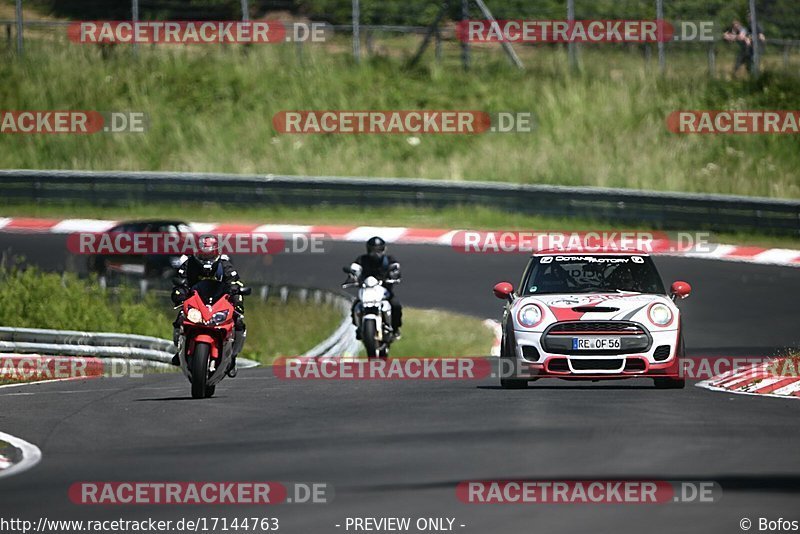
(342, 343)
(92, 344)
(263, 292)
(667, 210)
(112, 346)
(95, 339)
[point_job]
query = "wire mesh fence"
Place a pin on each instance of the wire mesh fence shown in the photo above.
(397, 28)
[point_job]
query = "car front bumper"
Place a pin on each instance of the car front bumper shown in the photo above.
(658, 357)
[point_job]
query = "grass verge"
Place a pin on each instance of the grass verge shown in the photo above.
(211, 109)
(440, 334)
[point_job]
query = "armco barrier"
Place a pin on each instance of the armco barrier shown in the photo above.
(91, 344)
(342, 343)
(659, 209)
(94, 339)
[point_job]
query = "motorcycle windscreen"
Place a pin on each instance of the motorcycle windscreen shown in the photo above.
(210, 291)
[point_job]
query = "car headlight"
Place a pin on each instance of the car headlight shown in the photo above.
(194, 315)
(219, 317)
(530, 315)
(659, 314)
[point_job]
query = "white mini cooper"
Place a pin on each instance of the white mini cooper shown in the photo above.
(591, 316)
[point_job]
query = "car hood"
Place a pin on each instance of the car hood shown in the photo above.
(609, 306)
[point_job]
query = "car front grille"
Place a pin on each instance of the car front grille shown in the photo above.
(557, 339)
(605, 364)
(562, 365)
(596, 327)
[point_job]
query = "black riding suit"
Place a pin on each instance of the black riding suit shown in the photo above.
(383, 268)
(193, 271)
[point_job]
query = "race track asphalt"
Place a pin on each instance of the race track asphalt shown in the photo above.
(400, 448)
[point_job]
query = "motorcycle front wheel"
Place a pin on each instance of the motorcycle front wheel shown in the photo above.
(370, 337)
(200, 370)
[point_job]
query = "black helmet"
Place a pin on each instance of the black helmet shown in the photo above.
(376, 247)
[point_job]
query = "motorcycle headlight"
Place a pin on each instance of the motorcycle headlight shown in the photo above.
(660, 314)
(194, 315)
(530, 315)
(219, 317)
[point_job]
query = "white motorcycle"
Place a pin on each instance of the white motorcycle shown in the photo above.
(373, 313)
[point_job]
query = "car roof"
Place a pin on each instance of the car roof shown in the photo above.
(582, 252)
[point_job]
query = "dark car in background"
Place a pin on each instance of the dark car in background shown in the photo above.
(140, 265)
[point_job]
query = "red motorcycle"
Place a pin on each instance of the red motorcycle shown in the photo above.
(205, 344)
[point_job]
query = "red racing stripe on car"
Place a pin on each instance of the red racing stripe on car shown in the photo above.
(566, 314)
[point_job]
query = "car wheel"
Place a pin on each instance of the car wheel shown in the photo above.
(670, 383)
(505, 356)
(674, 383)
(513, 383)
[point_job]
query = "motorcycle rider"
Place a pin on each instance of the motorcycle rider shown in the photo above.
(383, 267)
(208, 264)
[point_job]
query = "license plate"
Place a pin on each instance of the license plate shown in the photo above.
(596, 343)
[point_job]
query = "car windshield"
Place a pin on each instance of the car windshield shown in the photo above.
(589, 273)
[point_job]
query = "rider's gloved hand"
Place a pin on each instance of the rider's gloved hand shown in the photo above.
(178, 296)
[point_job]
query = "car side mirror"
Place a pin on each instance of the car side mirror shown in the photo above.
(680, 290)
(503, 291)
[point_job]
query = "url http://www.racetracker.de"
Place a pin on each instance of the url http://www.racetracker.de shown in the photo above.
(145, 526)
